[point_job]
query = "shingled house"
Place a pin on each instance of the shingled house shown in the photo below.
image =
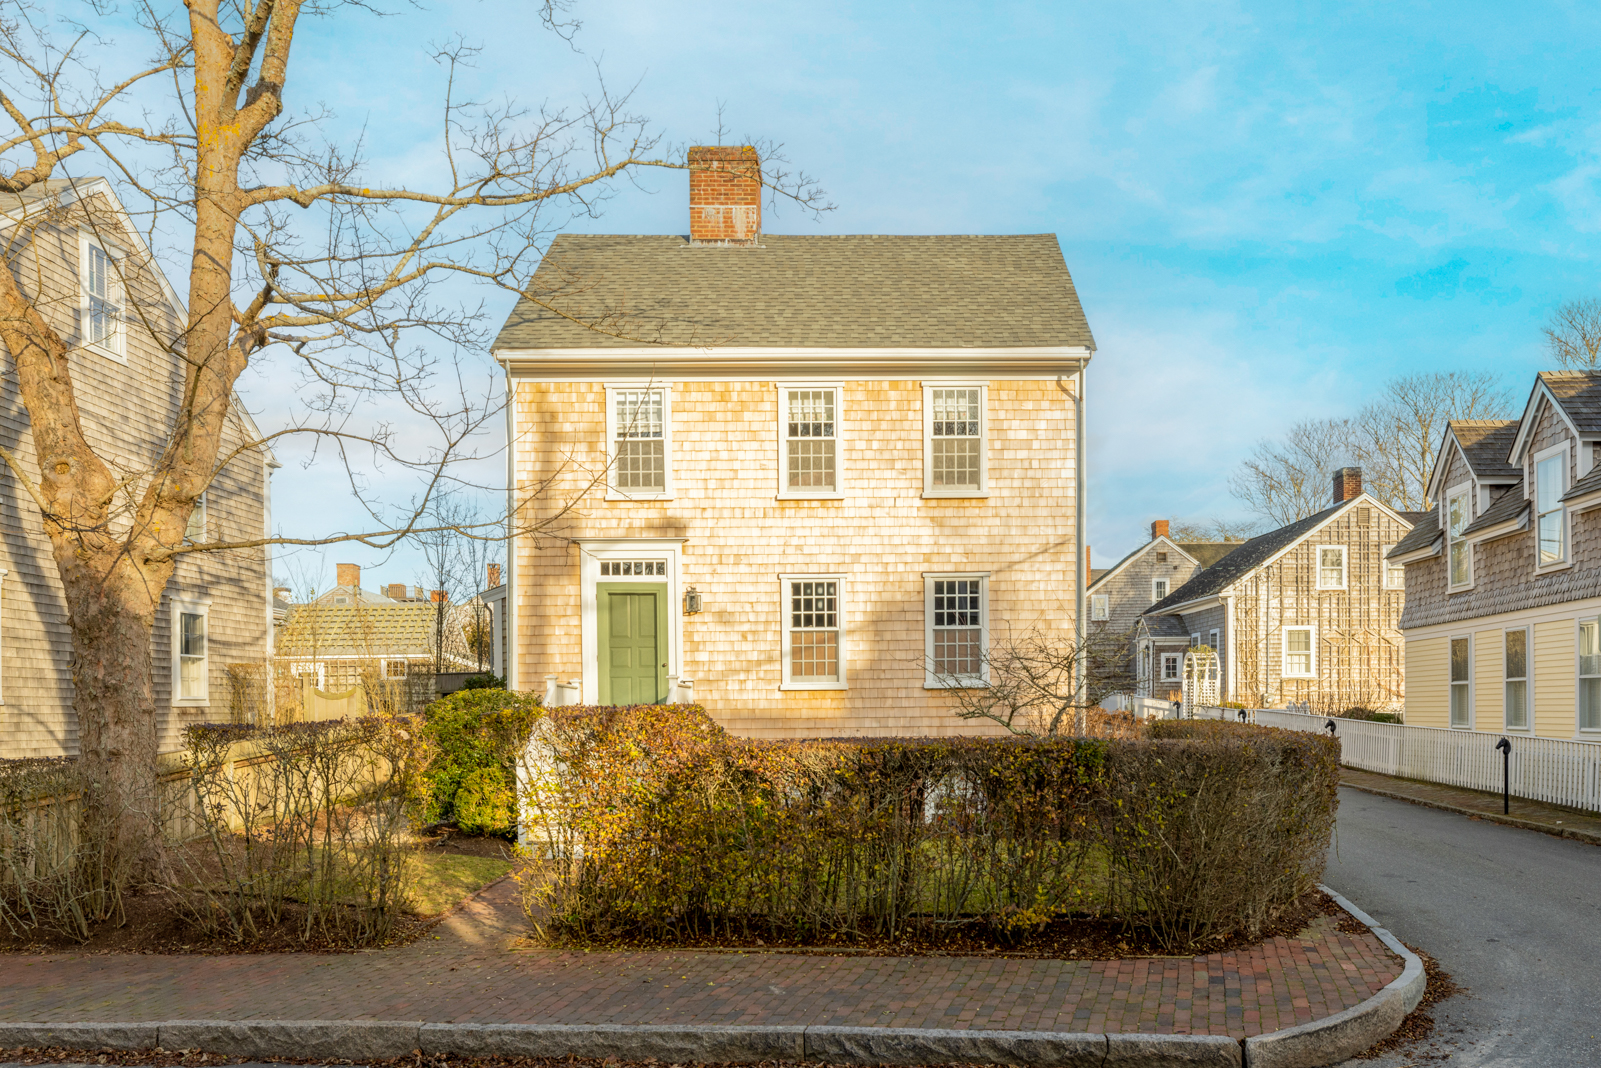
(818, 476)
(1306, 614)
(1503, 602)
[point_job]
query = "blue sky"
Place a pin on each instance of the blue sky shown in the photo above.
(1268, 208)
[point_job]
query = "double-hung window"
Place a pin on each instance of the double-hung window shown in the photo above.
(1212, 639)
(809, 441)
(1158, 589)
(1461, 683)
(639, 433)
(1550, 482)
(1516, 675)
(1590, 675)
(1394, 573)
(1458, 514)
(1100, 607)
(189, 654)
(1300, 654)
(814, 632)
(1331, 567)
(102, 303)
(955, 645)
(1170, 667)
(955, 462)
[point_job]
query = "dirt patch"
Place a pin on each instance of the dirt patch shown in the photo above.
(1419, 1023)
(1074, 937)
(449, 840)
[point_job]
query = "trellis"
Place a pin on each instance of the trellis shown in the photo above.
(1201, 679)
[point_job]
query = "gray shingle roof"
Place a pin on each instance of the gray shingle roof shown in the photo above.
(1425, 528)
(1579, 393)
(1588, 484)
(1509, 505)
(1165, 627)
(368, 630)
(1242, 560)
(1487, 443)
(806, 291)
(1207, 553)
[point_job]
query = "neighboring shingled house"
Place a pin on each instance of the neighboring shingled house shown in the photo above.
(1121, 593)
(834, 468)
(1307, 613)
(1503, 602)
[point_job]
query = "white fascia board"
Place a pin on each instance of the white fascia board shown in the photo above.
(1501, 530)
(734, 362)
(1136, 554)
(1198, 604)
(1531, 413)
(1429, 551)
(1585, 503)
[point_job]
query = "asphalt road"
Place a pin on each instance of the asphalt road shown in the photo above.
(1514, 916)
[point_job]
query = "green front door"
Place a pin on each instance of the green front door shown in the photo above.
(633, 642)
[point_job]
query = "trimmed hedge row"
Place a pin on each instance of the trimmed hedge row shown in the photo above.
(655, 823)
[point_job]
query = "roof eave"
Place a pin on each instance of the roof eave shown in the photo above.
(770, 361)
(1427, 552)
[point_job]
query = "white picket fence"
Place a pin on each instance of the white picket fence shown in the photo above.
(1554, 770)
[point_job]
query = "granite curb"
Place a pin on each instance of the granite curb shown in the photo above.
(1310, 1045)
(1574, 833)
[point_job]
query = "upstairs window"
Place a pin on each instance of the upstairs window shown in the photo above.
(195, 532)
(1100, 607)
(1158, 589)
(809, 466)
(954, 446)
(1458, 514)
(1516, 666)
(102, 300)
(638, 422)
(1461, 683)
(1331, 567)
(1550, 481)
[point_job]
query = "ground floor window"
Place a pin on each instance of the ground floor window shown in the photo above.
(1516, 666)
(955, 629)
(1170, 667)
(189, 652)
(1590, 676)
(814, 632)
(1300, 660)
(394, 669)
(1461, 683)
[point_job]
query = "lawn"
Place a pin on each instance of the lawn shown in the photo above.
(443, 879)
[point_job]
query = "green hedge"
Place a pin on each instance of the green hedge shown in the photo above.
(476, 734)
(657, 824)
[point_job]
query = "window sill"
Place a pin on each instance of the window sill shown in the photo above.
(1546, 569)
(1298, 678)
(960, 684)
(101, 350)
(1452, 591)
(834, 496)
(813, 686)
(1331, 589)
(954, 495)
(191, 702)
(619, 495)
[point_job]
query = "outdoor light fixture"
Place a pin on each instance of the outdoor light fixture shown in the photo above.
(692, 603)
(1505, 747)
(1329, 726)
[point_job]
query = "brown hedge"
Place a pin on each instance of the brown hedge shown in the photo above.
(654, 823)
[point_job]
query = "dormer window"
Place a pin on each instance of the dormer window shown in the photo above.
(1550, 481)
(1458, 514)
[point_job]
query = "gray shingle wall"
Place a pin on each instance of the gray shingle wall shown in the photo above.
(1129, 591)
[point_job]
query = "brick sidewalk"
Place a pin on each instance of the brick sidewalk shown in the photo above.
(1533, 815)
(468, 972)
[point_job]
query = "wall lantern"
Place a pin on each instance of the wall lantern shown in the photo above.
(692, 603)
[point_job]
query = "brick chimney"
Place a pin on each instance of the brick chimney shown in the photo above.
(349, 575)
(725, 195)
(439, 597)
(1158, 529)
(1347, 484)
(494, 576)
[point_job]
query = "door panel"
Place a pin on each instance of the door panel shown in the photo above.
(633, 652)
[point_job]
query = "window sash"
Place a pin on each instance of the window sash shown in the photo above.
(957, 623)
(639, 440)
(1331, 568)
(811, 440)
(196, 529)
(1549, 480)
(1394, 573)
(1158, 589)
(1100, 608)
(955, 438)
(1298, 652)
(1170, 667)
(1458, 515)
(191, 655)
(1461, 682)
(1590, 676)
(814, 631)
(1515, 667)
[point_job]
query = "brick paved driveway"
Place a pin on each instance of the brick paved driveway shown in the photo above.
(469, 973)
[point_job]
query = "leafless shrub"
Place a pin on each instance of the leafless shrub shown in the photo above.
(1028, 684)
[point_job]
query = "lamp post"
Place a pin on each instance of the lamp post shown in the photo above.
(1506, 775)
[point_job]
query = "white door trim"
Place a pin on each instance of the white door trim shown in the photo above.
(591, 551)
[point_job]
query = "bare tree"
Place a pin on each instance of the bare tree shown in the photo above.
(1215, 530)
(455, 552)
(1026, 683)
(294, 253)
(1284, 481)
(1573, 334)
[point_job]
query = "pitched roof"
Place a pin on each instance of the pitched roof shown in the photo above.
(1487, 443)
(1586, 485)
(367, 629)
(1096, 573)
(857, 291)
(1509, 505)
(1425, 528)
(1164, 627)
(1253, 554)
(1207, 553)
(1579, 393)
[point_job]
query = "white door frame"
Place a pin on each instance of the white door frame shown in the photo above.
(591, 551)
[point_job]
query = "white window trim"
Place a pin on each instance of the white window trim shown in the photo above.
(405, 668)
(1195, 640)
(1391, 570)
(1528, 680)
(1167, 583)
(1318, 562)
(1445, 526)
(784, 630)
(1563, 450)
(1579, 729)
(1472, 684)
(784, 492)
(198, 516)
(177, 608)
(118, 350)
(1178, 667)
(1213, 638)
(666, 492)
(983, 437)
(1284, 651)
(1100, 608)
(931, 679)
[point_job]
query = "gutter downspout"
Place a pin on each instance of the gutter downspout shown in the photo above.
(509, 610)
(1080, 577)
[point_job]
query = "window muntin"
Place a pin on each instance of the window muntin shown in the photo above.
(1170, 667)
(1100, 607)
(1515, 666)
(191, 654)
(1590, 676)
(810, 429)
(954, 445)
(102, 300)
(1212, 639)
(633, 569)
(956, 628)
(1158, 589)
(1550, 480)
(639, 441)
(813, 632)
(1458, 514)
(394, 669)
(1300, 658)
(1331, 567)
(1394, 573)
(1461, 683)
